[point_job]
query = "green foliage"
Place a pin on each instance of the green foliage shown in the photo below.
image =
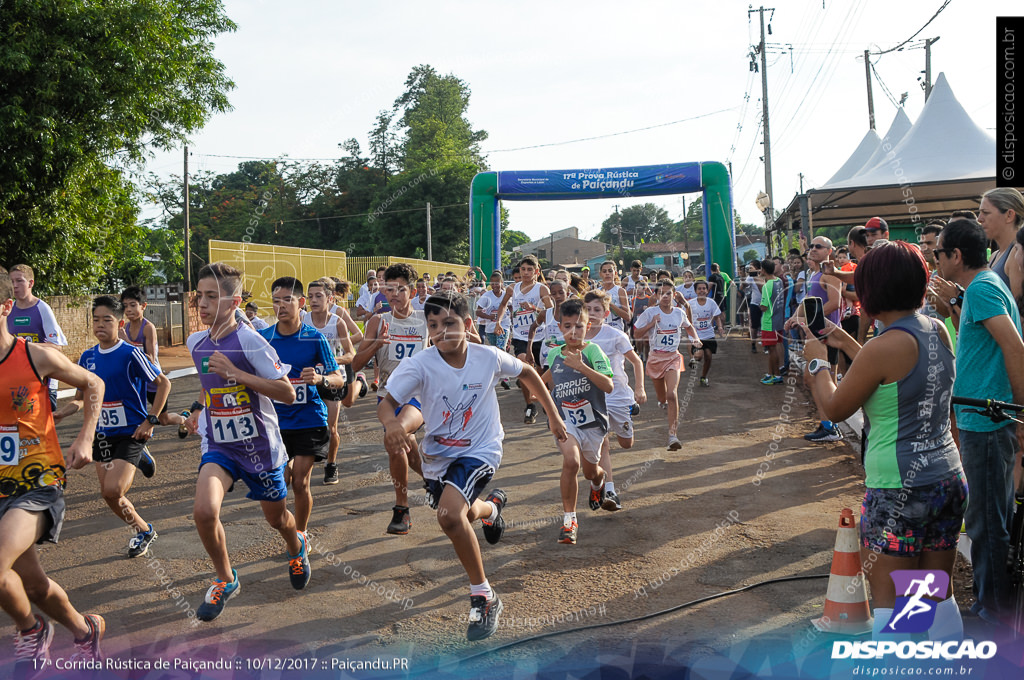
(647, 222)
(86, 89)
(749, 256)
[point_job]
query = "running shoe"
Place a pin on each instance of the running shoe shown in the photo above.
(140, 542)
(813, 436)
(634, 410)
(375, 385)
(673, 443)
(32, 650)
(483, 616)
(89, 648)
(147, 466)
(505, 385)
(331, 473)
(494, 526)
(777, 380)
(704, 382)
(530, 415)
(766, 379)
(363, 385)
(596, 497)
(611, 502)
(299, 570)
(825, 435)
(662, 404)
(400, 521)
(567, 534)
(217, 596)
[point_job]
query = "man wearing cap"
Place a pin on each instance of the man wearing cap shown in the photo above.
(585, 273)
(876, 230)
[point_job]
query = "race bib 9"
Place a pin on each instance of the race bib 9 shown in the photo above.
(10, 445)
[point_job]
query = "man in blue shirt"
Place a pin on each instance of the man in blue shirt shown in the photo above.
(989, 365)
(304, 422)
(125, 424)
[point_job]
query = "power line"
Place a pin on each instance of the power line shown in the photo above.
(382, 212)
(937, 13)
(882, 84)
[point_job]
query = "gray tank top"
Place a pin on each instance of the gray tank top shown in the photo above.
(909, 443)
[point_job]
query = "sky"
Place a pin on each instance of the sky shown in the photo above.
(310, 75)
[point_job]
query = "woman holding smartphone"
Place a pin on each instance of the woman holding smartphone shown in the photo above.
(903, 379)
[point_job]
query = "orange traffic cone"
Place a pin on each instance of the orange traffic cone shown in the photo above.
(846, 602)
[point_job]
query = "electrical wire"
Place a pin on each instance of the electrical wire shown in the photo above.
(881, 83)
(685, 605)
(937, 13)
(382, 212)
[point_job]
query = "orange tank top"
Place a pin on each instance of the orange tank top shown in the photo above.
(30, 455)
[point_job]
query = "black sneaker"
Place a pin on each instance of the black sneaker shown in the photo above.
(217, 596)
(825, 435)
(364, 387)
(331, 473)
(89, 648)
(140, 542)
(634, 410)
(596, 497)
(400, 521)
(483, 616)
(530, 415)
(611, 502)
(146, 465)
(32, 650)
(494, 526)
(814, 436)
(299, 570)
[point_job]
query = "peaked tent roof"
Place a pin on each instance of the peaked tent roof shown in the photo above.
(897, 131)
(943, 163)
(865, 150)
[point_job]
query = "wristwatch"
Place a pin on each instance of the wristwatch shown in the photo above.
(959, 299)
(323, 381)
(152, 420)
(817, 365)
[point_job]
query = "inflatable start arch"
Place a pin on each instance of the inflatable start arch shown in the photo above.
(710, 178)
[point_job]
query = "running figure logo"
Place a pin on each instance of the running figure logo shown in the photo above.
(457, 417)
(913, 613)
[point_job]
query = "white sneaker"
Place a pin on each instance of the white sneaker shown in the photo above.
(673, 443)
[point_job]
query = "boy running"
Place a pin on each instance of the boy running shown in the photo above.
(615, 345)
(303, 423)
(462, 448)
(141, 333)
(707, 317)
(240, 374)
(124, 425)
(32, 480)
(32, 319)
(619, 301)
(334, 328)
(526, 298)
(390, 339)
(578, 376)
(662, 325)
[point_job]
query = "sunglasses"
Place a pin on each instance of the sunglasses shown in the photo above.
(945, 251)
(817, 246)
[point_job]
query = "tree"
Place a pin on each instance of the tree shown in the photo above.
(86, 90)
(749, 255)
(645, 222)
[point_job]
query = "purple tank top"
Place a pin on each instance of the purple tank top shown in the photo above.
(815, 289)
(240, 422)
(26, 323)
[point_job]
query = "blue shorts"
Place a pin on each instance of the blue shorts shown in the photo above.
(267, 485)
(412, 402)
(469, 476)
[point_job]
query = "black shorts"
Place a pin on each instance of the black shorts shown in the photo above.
(469, 476)
(520, 347)
(151, 396)
(310, 441)
(755, 316)
(106, 448)
(711, 345)
(48, 500)
(851, 325)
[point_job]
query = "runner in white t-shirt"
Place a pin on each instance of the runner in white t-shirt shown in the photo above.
(686, 287)
(707, 318)
(620, 312)
(664, 324)
(454, 380)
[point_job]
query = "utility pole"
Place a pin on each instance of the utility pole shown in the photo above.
(618, 228)
(430, 240)
(801, 182)
(871, 101)
(928, 42)
(764, 107)
(186, 298)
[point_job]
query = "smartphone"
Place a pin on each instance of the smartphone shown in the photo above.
(814, 316)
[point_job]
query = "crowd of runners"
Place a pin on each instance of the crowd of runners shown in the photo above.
(439, 352)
